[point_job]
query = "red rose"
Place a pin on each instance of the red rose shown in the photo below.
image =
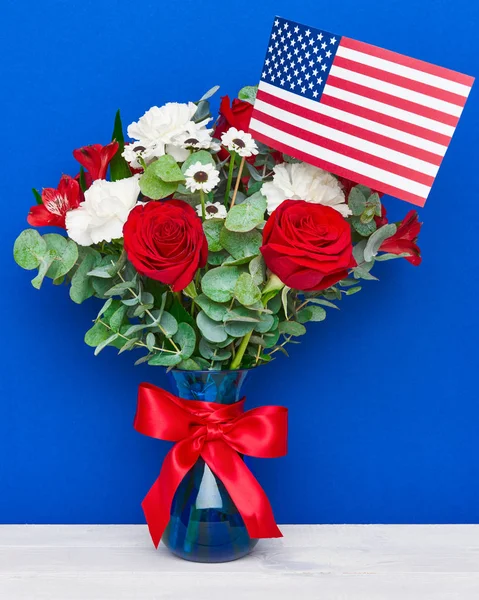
(405, 238)
(308, 246)
(165, 241)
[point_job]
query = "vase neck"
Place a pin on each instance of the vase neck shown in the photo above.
(223, 387)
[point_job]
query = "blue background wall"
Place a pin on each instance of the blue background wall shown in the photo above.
(383, 395)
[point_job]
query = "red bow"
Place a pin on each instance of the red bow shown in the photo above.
(217, 433)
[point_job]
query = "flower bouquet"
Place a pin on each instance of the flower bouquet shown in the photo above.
(210, 252)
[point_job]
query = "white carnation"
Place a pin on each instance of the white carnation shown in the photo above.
(163, 130)
(300, 181)
(101, 216)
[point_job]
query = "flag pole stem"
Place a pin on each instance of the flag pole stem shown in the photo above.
(238, 180)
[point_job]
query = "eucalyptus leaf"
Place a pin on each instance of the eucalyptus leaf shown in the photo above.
(219, 283)
(248, 215)
(153, 186)
(201, 156)
(210, 92)
(246, 291)
(211, 330)
(97, 334)
(376, 239)
(185, 338)
(45, 264)
(212, 229)
(248, 93)
(105, 343)
(266, 323)
(163, 359)
(81, 285)
(212, 352)
(241, 245)
(364, 229)
(214, 310)
(66, 254)
(29, 249)
(292, 328)
(238, 328)
(357, 201)
(353, 290)
(257, 269)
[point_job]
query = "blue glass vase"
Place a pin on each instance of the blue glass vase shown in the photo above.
(205, 525)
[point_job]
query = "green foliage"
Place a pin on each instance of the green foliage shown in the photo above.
(241, 245)
(212, 229)
(247, 215)
(212, 330)
(119, 168)
(219, 284)
(81, 284)
(29, 249)
(201, 156)
(161, 178)
(248, 93)
(246, 291)
(376, 239)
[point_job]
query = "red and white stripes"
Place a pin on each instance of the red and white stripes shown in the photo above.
(384, 119)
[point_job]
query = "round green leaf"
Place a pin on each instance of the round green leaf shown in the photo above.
(292, 328)
(247, 215)
(219, 284)
(163, 359)
(238, 328)
(246, 291)
(212, 330)
(241, 245)
(212, 229)
(267, 321)
(214, 310)
(66, 254)
(185, 337)
(201, 156)
(211, 352)
(29, 249)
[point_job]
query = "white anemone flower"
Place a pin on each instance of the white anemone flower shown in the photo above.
(240, 142)
(101, 216)
(160, 131)
(213, 210)
(301, 181)
(201, 177)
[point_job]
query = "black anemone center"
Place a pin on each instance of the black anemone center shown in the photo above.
(200, 176)
(139, 148)
(191, 141)
(239, 143)
(211, 210)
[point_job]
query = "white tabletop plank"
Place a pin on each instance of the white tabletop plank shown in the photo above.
(387, 562)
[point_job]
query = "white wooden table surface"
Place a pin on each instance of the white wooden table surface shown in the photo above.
(317, 562)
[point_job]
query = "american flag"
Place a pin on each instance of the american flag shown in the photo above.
(373, 116)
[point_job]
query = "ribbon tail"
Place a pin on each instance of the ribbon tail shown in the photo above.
(245, 491)
(157, 503)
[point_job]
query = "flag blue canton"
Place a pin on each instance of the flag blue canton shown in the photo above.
(299, 58)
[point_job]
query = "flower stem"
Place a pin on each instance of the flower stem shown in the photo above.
(236, 362)
(230, 177)
(238, 181)
(203, 206)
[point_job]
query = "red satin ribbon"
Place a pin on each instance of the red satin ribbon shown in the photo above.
(218, 433)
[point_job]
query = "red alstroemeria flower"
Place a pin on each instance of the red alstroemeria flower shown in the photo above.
(96, 158)
(405, 238)
(56, 203)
